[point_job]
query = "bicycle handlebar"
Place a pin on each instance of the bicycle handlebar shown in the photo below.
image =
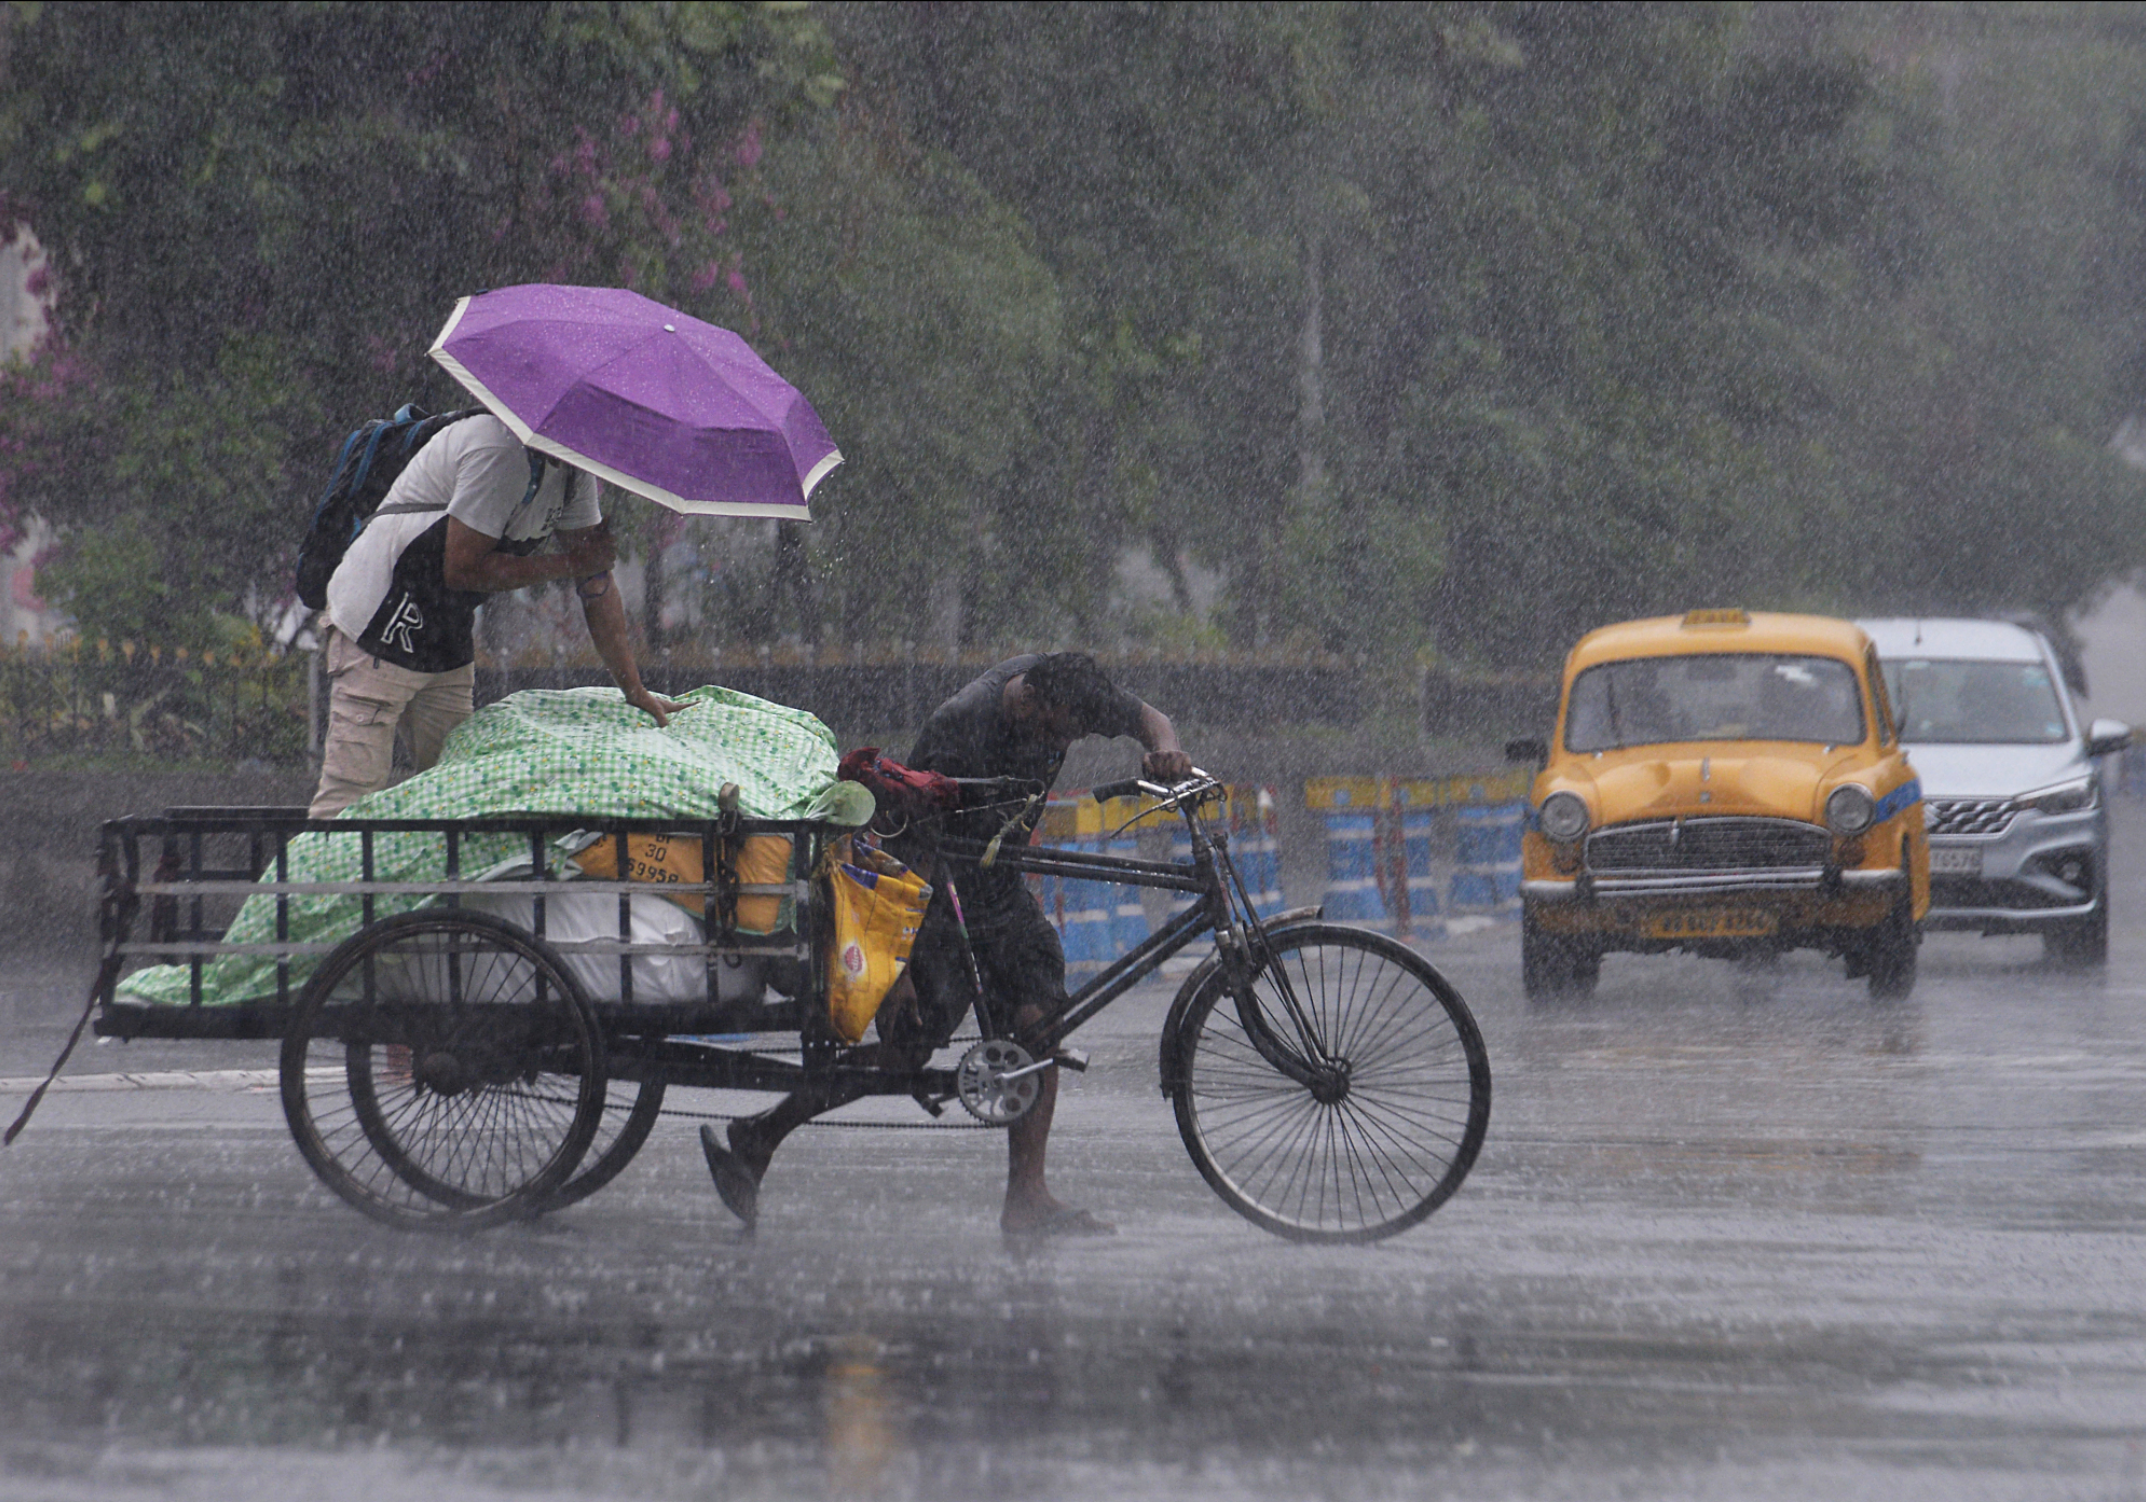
(1126, 787)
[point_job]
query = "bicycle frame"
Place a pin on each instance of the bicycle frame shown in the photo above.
(1240, 947)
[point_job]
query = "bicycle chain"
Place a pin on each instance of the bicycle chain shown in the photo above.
(865, 1126)
(818, 1121)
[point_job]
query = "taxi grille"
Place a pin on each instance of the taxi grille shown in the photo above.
(1717, 844)
(1967, 815)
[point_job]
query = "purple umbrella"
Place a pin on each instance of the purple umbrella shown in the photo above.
(647, 398)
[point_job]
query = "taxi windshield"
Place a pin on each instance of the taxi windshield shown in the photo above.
(1730, 696)
(1975, 703)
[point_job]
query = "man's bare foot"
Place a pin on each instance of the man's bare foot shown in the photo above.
(1050, 1218)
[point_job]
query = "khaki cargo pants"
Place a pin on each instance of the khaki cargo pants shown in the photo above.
(368, 698)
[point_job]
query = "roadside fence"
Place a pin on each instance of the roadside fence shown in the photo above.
(102, 698)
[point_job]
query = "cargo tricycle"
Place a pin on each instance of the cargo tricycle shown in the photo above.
(479, 1050)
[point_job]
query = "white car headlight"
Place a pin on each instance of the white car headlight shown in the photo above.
(2064, 798)
(1564, 817)
(1850, 809)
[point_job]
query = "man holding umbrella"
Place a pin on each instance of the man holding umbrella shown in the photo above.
(579, 383)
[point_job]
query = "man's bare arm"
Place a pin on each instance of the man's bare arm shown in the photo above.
(1165, 761)
(606, 616)
(475, 563)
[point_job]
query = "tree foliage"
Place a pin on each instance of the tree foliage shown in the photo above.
(1450, 326)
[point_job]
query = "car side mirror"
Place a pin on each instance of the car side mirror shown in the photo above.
(2107, 737)
(1532, 748)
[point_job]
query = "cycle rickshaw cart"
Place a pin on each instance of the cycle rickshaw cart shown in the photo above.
(447, 1067)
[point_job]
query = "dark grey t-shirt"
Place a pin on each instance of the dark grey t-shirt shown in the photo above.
(971, 735)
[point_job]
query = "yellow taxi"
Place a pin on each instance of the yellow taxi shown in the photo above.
(1726, 783)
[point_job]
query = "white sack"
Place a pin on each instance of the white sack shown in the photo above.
(571, 916)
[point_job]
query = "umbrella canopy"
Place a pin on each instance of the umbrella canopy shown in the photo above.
(642, 396)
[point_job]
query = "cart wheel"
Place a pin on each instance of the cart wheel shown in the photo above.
(1391, 1122)
(629, 1115)
(443, 1071)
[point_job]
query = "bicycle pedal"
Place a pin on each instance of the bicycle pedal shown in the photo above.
(934, 1107)
(1072, 1058)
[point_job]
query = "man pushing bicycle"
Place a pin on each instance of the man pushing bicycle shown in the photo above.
(1016, 720)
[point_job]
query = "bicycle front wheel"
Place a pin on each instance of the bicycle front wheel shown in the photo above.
(1396, 1120)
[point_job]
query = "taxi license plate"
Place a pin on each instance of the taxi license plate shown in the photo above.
(1711, 923)
(1956, 860)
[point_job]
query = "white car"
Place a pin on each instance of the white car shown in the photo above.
(2012, 783)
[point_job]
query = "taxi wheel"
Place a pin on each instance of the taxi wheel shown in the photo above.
(1554, 967)
(2083, 945)
(1892, 953)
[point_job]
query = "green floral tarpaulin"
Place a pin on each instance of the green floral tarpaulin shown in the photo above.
(581, 751)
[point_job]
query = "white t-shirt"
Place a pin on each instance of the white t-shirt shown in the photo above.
(478, 471)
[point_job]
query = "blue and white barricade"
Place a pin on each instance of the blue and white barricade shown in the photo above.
(1086, 929)
(1486, 874)
(1080, 910)
(1350, 807)
(1255, 846)
(1415, 828)
(1181, 854)
(1128, 919)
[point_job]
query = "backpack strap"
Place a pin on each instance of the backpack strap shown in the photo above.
(537, 463)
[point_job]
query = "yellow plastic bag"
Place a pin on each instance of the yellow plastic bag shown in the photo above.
(878, 904)
(674, 860)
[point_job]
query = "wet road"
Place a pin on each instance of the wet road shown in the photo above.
(1735, 1234)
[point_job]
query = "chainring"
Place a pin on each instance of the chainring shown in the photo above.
(986, 1093)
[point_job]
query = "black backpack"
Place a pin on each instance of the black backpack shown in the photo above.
(365, 470)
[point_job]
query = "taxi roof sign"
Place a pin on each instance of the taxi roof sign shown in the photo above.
(1717, 618)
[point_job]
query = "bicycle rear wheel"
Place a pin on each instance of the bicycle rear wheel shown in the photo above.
(1394, 1125)
(443, 1071)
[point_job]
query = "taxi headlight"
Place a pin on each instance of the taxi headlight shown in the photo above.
(2064, 798)
(1564, 817)
(1850, 809)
